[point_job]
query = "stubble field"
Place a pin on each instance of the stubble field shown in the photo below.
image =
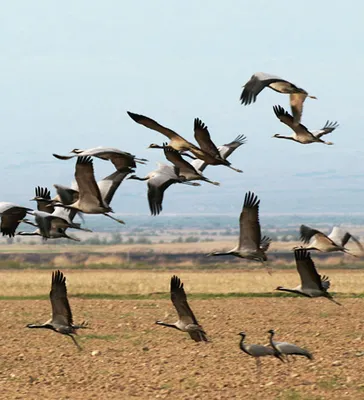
(125, 355)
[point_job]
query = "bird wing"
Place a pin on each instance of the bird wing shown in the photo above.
(119, 158)
(307, 233)
(327, 128)
(265, 243)
(175, 158)
(203, 138)
(286, 118)
(154, 125)
(10, 218)
(199, 165)
(179, 300)
(224, 150)
(64, 214)
(310, 279)
(66, 194)
(227, 149)
(110, 184)
(42, 192)
(341, 239)
(86, 182)
(296, 101)
(157, 185)
(61, 310)
(325, 282)
(250, 235)
(255, 85)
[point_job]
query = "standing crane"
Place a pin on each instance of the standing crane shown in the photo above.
(257, 351)
(287, 349)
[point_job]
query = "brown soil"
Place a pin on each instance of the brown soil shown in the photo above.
(141, 360)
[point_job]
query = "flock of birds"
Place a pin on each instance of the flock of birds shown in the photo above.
(54, 216)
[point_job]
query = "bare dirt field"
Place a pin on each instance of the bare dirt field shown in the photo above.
(137, 359)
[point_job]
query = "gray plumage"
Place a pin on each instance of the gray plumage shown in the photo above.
(94, 199)
(121, 159)
(316, 240)
(187, 321)
(251, 244)
(11, 214)
(184, 168)
(301, 133)
(287, 349)
(261, 80)
(312, 284)
(257, 350)
(158, 182)
(225, 151)
(62, 320)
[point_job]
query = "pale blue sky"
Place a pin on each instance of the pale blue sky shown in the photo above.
(70, 70)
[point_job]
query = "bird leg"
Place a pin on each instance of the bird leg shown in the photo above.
(183, 153)
(235, 169)
(259, 368)
(74, 341)
(115, 219)
(268, 268)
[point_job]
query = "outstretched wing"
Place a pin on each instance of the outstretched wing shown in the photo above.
(10, 218)
(227, 149)
(203, 138)
(310, 279)
(255, 85)
(265, 243)
(287, 119)
(156, 188)
(175, 158)
(110, 184)
(85, 178)
(328, 128)
(61, 311)
(154, 125)
(179, 300)
(250, 235)
(296, 101)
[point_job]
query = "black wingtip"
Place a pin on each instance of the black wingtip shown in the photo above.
(251, 200)
(84, 160)
(302, 254)
(58, 277)
(135, 117)
(198, 124)
(176, 283)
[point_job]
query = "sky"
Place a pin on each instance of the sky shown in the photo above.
(70, 70)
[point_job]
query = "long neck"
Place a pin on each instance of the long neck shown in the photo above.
(217, 253)
(168, 325)
(285, 137)
(35, 233)
(137, 178)
(44, 326)
(271, 339)
(242, 346)
(293, 291)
